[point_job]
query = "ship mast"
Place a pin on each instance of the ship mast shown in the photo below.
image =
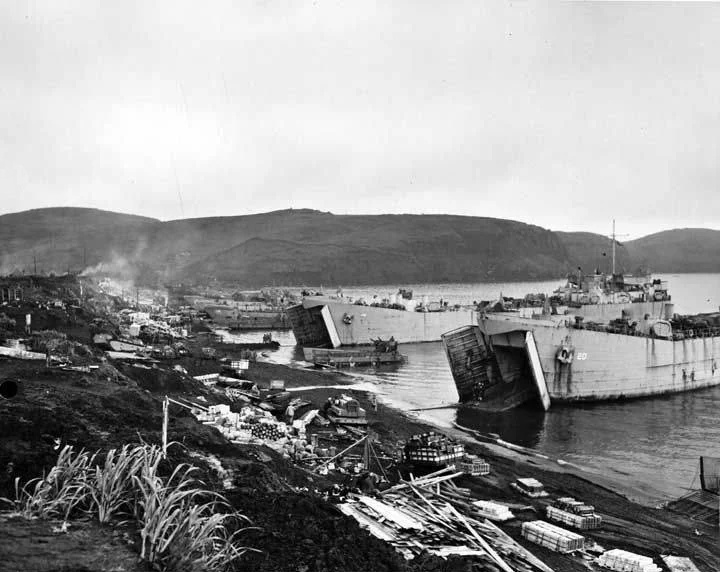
(613, 249)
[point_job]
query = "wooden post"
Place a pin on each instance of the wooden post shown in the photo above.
(166, 404)
(341, 453)
(493, 555)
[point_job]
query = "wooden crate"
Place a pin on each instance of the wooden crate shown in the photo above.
(552, 537)
(475, 467)
(574, 520)
(624, 561)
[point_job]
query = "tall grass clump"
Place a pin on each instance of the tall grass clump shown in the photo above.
(182, 525)
(62, 491)
(111, 487)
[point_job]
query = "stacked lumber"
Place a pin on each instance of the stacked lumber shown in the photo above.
(575, 520)
(493, 511)
(552, 537)
(624, 561)
(679, 564)
(432, 514)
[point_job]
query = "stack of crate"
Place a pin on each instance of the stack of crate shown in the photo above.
(493, 511)
(433, 449)
(583, 522)
(624, 561)
(552, 537)
(473, 465)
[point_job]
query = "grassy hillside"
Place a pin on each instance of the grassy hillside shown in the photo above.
(314, 247)
(58, 239)
(296, 247)
(679, 250)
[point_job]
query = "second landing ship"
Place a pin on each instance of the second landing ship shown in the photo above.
(324, 321)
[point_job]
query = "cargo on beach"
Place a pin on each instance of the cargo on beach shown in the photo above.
(552, 537)
(529, 487)
(574, 520)
(433, 449)
(624, 561)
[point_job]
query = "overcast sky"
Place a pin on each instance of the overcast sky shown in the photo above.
(565, 116)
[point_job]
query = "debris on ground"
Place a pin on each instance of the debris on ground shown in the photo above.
(622, 561)
(416, 518)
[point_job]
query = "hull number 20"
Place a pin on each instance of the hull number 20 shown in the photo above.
(581, 355)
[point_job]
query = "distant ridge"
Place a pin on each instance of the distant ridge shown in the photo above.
(306, 246)
(679, 250)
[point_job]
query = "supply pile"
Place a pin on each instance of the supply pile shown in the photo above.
(433, 449)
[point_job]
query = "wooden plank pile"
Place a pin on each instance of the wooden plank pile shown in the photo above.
(493, 511)
(552, 537)
(624, 561)
(433, 514)
(679, 564)
(575, 520)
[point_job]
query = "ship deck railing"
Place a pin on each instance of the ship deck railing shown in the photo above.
(677, 335)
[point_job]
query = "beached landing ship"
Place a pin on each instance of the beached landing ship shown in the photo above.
(638, 349)
(324, 321)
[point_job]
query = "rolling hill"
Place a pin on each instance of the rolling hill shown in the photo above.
(298, 247)
(679, 250)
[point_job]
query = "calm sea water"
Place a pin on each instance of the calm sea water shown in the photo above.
(652, 444)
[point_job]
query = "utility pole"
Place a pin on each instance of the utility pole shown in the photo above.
(165, 405)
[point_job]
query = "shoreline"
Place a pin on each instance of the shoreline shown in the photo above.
(116, 404)
(648, 496)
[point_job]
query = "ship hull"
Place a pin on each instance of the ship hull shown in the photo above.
(596, 365)
(326, 322)
(609, 366)
(238, 319)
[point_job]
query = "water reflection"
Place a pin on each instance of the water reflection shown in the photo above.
(522, 426)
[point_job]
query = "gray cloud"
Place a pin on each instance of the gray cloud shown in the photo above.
(565, 116)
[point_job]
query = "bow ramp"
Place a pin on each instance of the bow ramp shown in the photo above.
(496, 372)
(537, 370)
(313, 326)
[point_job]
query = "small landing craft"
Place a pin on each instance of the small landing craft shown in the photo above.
(382, 352)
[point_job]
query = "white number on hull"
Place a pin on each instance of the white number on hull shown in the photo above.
(581, 355)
